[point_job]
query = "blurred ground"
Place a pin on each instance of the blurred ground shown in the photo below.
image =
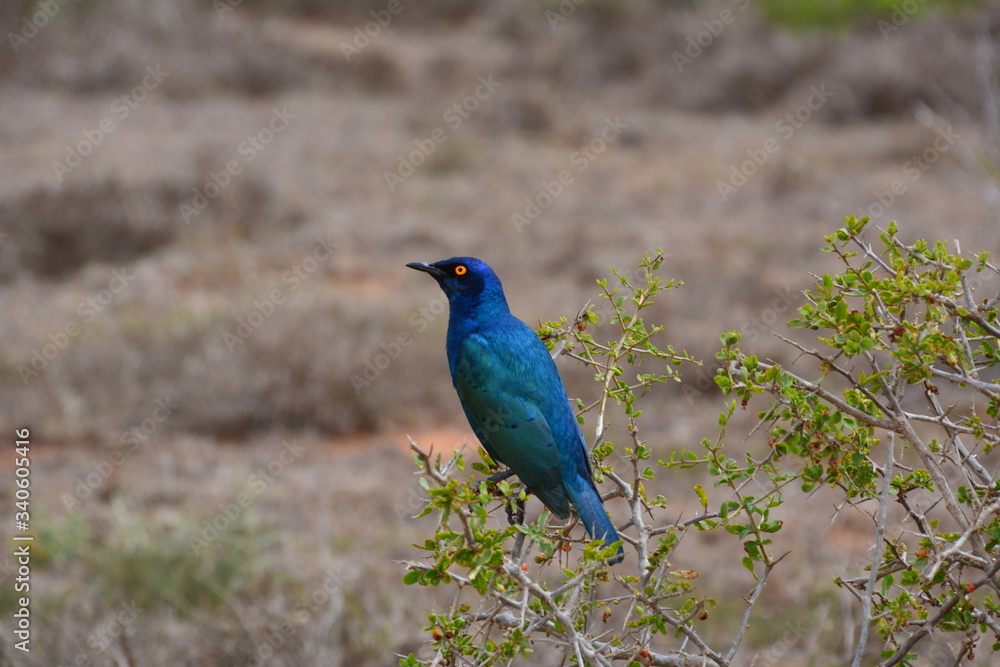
(207, 207)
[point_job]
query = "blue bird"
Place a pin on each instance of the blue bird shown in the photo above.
(513, 396)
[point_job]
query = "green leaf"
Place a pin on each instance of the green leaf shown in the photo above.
(727, 507)
(730, 338)
(770, 526)
(702, 496)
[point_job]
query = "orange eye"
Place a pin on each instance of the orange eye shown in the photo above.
(460, 270)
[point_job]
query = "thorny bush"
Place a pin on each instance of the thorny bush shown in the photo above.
(897, 413)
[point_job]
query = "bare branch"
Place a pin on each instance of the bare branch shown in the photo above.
(751, 603)
(866, 601)
(987, 387)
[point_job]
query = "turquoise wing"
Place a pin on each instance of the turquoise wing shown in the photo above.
(501, 399)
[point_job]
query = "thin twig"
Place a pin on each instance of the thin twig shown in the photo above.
(751, 602)
(866, 601)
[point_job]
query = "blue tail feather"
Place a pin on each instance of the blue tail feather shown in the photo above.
(588, 506)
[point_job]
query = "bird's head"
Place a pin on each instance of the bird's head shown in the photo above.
(464, 279)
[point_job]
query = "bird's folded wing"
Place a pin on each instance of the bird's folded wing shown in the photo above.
(501, 397)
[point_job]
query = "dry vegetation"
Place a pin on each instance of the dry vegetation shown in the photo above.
(304, 249)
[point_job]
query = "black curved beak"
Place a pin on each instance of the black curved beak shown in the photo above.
(427, 267)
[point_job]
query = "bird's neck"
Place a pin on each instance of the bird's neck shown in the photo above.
(472, 315)
(488, 306)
